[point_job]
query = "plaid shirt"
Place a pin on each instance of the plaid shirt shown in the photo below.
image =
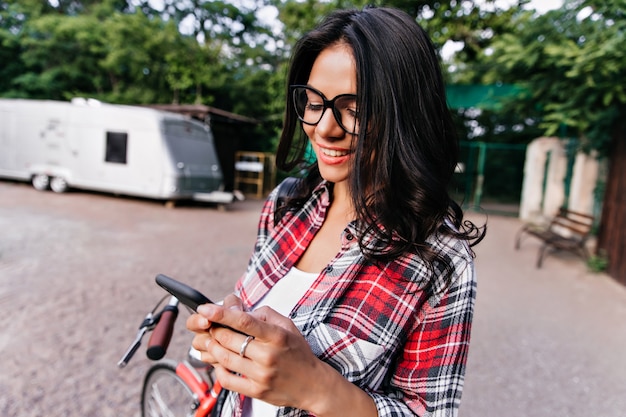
(375, 324)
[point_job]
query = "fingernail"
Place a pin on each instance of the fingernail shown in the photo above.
(205, 309)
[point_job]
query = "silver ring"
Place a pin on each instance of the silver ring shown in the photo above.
(244, 346)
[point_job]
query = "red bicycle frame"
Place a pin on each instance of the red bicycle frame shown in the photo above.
(206, 397)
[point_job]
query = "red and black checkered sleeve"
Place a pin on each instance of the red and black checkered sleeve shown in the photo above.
(430, 373)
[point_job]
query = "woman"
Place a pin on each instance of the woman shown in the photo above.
(359, 296)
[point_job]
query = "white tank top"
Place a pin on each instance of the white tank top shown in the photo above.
(282, 297)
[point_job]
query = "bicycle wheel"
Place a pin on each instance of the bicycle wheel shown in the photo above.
(164, 394)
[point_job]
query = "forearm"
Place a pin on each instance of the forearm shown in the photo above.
(331, 395)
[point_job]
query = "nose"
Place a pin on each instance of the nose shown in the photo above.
(328, 127)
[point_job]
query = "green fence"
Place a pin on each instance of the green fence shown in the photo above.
(490, 176)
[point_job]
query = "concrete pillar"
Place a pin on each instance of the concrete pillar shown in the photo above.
(584, 179)
(537, 204)
(534, 172)
(554, 196)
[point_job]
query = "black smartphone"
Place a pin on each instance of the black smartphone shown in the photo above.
(190, 297)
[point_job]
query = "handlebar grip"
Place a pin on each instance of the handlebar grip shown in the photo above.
(162, 333)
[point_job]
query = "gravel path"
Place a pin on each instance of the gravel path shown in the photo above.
(77, 277)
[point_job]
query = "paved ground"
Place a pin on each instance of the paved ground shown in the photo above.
(76, 278)
(546, 342)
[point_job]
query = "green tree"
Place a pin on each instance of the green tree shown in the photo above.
(11, 20)
(133, 57)
(57, 57)
(572, 63)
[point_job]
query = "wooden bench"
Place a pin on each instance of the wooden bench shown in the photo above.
(568, 230)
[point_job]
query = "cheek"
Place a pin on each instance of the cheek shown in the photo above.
(308, 131)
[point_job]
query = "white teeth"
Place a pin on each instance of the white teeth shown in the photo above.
(333, 152)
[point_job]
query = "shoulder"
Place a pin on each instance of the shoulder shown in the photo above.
(452, 249)
(293, 195)
(452, 266)
(279, 206)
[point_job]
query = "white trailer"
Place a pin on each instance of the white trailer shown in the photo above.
(126, 150)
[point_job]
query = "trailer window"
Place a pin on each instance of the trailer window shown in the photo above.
(116, 147)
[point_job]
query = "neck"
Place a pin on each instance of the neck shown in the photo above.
(342, 201)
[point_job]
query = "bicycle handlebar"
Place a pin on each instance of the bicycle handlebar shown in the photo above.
(162, 333)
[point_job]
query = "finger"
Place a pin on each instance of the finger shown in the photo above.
(233, 351)
(240, 383)
(233, 341)
(231, 381)
(200, 343)
(233, 302)
(268, 315)
(206, 357)
(235, 319)
(197, 323)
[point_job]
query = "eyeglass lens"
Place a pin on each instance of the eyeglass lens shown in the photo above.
(310, 106)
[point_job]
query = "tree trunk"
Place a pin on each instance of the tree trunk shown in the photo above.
(612, 233)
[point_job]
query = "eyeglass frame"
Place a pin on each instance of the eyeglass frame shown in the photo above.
(327, 104)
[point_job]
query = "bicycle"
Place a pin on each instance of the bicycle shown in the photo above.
(185, 388)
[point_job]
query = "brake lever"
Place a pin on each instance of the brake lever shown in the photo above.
(148, 322)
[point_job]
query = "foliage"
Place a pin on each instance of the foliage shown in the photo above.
(219, 53)
(572, 62)
(109, 47)
(598, 262)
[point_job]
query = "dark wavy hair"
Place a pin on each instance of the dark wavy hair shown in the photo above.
(405, 159)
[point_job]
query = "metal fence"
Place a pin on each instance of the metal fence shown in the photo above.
(489, 177)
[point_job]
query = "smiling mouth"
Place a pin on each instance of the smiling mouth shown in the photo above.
(333, 152)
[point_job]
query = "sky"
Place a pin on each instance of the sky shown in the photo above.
(542, 6)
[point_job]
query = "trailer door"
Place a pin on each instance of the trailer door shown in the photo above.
(193, 154)
(7, 134)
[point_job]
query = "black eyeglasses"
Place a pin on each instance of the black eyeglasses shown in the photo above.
(310, 106)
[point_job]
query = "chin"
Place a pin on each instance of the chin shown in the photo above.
(333, 175)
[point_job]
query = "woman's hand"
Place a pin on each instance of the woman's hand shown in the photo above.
(277, 365)
(199, 324)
